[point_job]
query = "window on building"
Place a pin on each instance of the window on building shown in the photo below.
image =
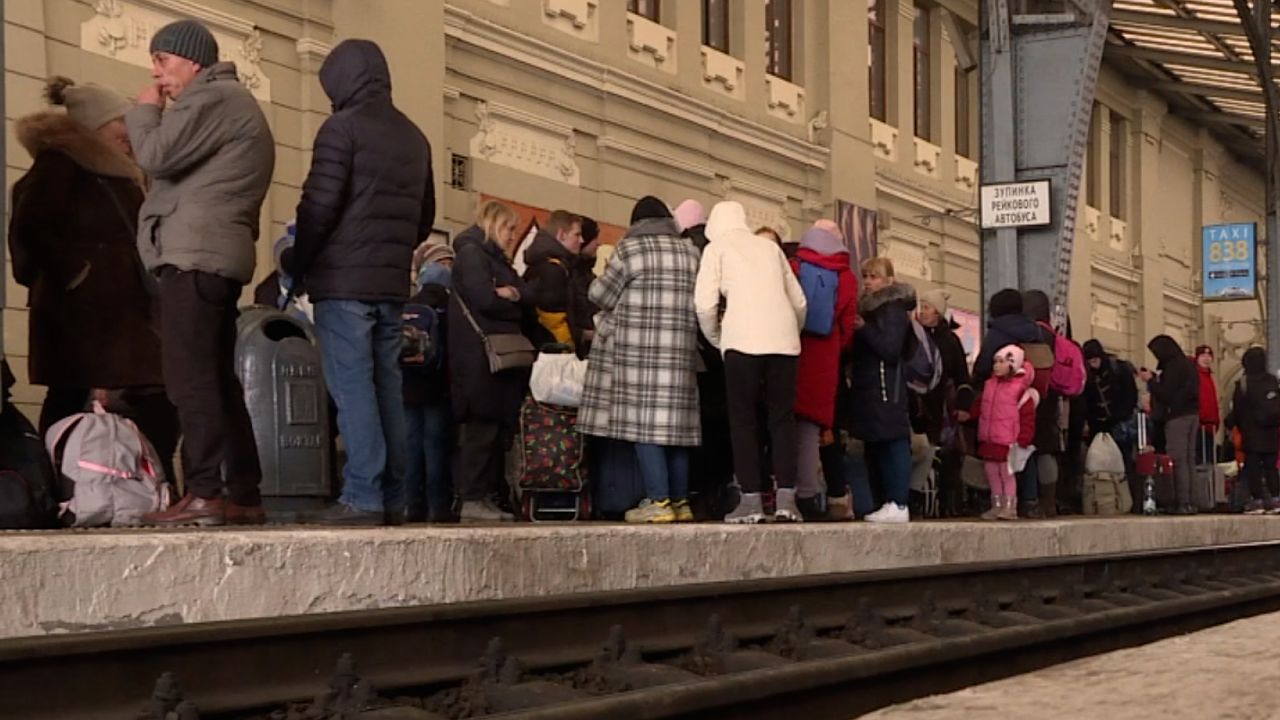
(644, 8)
(777, 28)
(923, 70)
(1092, 178)
(876, 60)
(715, 24)
(1116, 166)
(963, 114)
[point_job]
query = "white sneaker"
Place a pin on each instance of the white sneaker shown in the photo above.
(891, 512)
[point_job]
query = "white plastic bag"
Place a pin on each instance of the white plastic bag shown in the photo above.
(1018, 457)
(1104, 456)
(557, 379)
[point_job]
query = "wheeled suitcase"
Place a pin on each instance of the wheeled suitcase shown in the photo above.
(1208, 482)
(1158, 467)
(550, 474)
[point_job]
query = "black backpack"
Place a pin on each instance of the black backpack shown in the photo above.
(28, 493)
(1265, 401)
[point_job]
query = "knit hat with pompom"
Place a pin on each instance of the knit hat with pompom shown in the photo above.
(90, 105)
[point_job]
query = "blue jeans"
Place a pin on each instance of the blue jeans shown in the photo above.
(360, 349)
(429, 480)
(890, 462)
(665, 470)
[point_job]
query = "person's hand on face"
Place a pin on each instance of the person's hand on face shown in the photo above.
(152, 94)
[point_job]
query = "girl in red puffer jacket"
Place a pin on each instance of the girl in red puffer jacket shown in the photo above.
(1007, 418)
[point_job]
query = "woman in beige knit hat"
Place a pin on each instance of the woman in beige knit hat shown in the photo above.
(73, 242)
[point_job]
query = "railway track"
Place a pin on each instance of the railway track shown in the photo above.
(820, 647)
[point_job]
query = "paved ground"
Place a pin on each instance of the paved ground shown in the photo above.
(1230, 672)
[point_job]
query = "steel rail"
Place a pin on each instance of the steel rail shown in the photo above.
(231, 668)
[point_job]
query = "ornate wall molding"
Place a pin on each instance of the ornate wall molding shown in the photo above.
(580, 18)
(313, 50)
(651, 43)
(764, 206)
(884, 140)
(786, 99)
(122, 30)
(635, 151)
(723, 73)
(565, 65)
(519, 140)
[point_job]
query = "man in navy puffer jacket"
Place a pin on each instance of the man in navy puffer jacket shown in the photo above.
(368, 201)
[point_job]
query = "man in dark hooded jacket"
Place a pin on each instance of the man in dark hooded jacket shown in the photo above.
(1252, 411)
(368, 201)
(1175, 404)
(1006, 325)
(551, 263)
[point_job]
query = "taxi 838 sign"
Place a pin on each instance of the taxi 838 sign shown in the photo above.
(1230, 261)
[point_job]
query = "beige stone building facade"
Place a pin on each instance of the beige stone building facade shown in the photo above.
(794, 107)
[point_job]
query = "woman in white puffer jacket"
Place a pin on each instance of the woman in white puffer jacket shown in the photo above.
(759, 336)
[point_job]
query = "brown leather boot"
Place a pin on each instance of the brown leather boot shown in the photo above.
(244, 514)
(190, 510)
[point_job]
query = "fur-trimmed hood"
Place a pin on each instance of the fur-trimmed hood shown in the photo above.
(897, 292)
(51, 130)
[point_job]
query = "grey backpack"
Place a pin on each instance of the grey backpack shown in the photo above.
(115, 474)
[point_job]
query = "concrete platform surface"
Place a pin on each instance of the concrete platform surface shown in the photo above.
(1226, 672)
(62, 582)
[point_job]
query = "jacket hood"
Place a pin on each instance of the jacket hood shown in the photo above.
(654, 226)
(49, 130)
(728, 222)
(355, 72)
(1018, 328)
(822, 240)
(834, 261)
(545, 247)
(1016, 356)
(1035, 305)
(1165, 348)
(1254, 361)
(898, 292)
(1093, 349)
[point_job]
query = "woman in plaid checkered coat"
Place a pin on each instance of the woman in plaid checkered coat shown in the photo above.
(641, 384)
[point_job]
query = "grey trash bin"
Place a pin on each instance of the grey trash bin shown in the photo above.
(278, 362)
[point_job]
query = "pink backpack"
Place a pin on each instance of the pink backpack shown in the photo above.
(1069, 373)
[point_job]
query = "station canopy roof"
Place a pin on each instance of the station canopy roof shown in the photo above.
(1195, 53)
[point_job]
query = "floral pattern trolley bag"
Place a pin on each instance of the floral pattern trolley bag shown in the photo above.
(550, 477)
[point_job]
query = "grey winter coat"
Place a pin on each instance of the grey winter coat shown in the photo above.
(210, 157)
(369, 198)
(642, 381)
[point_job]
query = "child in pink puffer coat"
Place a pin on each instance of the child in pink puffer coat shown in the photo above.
(1007, 417)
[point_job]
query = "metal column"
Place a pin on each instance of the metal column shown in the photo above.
(1257, 25)
(1039, 71)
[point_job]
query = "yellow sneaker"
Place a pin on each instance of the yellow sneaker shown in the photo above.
(652, 511)
(683, 512)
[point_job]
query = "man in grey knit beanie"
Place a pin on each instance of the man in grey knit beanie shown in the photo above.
(210, 156)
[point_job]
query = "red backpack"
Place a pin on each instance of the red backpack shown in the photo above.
(1069, 373)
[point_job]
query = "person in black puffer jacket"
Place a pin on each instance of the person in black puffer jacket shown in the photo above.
(881, 401)
(367, 202)
(1253, 394)
(1175, 404)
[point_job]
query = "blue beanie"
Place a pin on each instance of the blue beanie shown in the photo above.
(187, 39)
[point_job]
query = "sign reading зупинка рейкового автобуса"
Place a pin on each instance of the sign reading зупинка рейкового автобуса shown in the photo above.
(1017, 204)
(1230, 261)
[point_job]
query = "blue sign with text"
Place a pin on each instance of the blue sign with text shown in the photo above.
(1230, 261)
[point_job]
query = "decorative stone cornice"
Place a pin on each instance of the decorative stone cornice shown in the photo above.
(566, 65)
(615, 145)
(313, 49)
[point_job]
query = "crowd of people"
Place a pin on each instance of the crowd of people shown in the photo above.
(747, 379)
